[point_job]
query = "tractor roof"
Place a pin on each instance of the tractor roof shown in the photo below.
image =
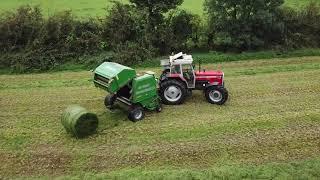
(177, 59)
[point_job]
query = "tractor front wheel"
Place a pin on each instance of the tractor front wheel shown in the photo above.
(173, 92)
(136, 114)
(216, 95)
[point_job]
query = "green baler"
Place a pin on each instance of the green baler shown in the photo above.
(123, 85)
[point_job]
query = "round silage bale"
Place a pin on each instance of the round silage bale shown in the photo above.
(79, 122)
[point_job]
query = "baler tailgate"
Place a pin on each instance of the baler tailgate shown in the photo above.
(113, 76)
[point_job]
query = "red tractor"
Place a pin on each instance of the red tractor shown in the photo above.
(179, 79)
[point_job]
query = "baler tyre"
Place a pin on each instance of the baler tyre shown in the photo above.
(110, 100)
(216, 95)
(136, 114)
(173, 92)
(159, 108)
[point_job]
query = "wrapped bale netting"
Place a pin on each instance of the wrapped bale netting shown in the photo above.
(79, 122)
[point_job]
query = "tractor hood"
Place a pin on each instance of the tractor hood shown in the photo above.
(213, 77)
(209, 73)
(113, 76)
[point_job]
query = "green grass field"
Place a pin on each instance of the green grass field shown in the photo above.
(84, 8)
(269, 129)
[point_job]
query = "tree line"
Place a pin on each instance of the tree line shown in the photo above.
(143, 29)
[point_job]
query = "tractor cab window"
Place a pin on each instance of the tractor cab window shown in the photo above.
(176, 69)
(188, 72)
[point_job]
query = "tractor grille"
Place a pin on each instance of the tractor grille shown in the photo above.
(101, 80)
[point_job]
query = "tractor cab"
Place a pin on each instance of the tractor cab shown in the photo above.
(181, 66)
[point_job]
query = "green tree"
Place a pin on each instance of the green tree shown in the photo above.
(182, 28)
(156, 8)
(302, 26)
(124, 23)
(244, 24)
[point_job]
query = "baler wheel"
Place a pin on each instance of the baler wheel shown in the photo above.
(110, 100)
(159, 108)
(136, 114)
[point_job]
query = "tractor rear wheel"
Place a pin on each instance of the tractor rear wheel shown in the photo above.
(173, 92)
(216, 95)
(110, 100)
(136, 114)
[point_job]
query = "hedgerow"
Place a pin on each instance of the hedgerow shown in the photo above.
(30, 41)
